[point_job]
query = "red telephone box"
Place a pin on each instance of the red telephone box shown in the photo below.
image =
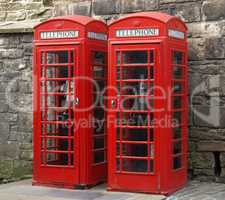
(69, 146)
(148, 103)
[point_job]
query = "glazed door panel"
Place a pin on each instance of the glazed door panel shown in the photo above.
(58, 141)
(134, 138)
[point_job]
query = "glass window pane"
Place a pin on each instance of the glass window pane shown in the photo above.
(118, 165)
(134, 134)
(178, 57)
(136, 119)
(56, 159)
(135, 73)
(177, 132)
(134, 88)
(177, 147)
(177, 72)
(177, 118)
(57, 57)
(99, 126)
(152, 152)
(118, 58)
(177, 103)
(99, 156)
(135, 57)
(42, 58)
(118, 149)
(99, 142)
(138, 150)
(99, 72)
(151, 72)
(151, 56)
(140, 103)
(135, 165)
(57, 72)
(177, 162)
(177, 87)
(151, 134)
(151, 166)
(99, 57)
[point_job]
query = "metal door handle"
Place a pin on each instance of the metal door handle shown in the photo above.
(113, 103)
(77, 101)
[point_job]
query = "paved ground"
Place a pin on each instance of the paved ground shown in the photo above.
(24, 191)
(200, 191)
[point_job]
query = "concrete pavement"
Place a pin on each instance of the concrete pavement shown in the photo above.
(23, 190)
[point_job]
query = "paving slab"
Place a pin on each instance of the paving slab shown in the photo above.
(23, 190)
(196, 190)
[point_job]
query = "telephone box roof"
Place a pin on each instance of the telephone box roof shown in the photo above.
(83, 20)
(162, 17)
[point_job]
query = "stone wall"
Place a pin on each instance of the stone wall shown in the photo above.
(205, 20)
(15, 105)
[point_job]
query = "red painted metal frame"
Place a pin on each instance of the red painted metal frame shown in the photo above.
(165, 179)
(82, 174)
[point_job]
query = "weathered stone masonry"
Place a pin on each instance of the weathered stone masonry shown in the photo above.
(206, 23)
(16, 106)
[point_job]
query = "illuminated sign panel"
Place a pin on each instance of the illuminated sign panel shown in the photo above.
(176, 34)
(97, 36)
(59, 34)
(137, 32)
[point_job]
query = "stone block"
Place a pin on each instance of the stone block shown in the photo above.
(27, 38)
(33, 5)
(4, 131)
(188, 12)
(41, 13)
(213, 10)
(28, 49)
(197, 86)
(175, 1)
(204, 172)
(6, 168)
(61, 10)
(211, 146)
(8, 117)
(222, 160)
(16, 15)
(47, 2)
(21, 168)
(106, 7)
(222, 85)
(81, 8)
(24, 123)
(12, 54)
(128, 6)
(3, 15)
(209, 116)
(26, 155)
(24, 87)
(215, 48)
(151, 5)
(9, 150)
(206, 134)
(205, 29)
(203, 160)
(4, 107)
(196, 47)
(24, 137)
(14, 6)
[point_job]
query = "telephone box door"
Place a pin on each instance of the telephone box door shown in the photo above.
(134, 141)
(58, 142)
